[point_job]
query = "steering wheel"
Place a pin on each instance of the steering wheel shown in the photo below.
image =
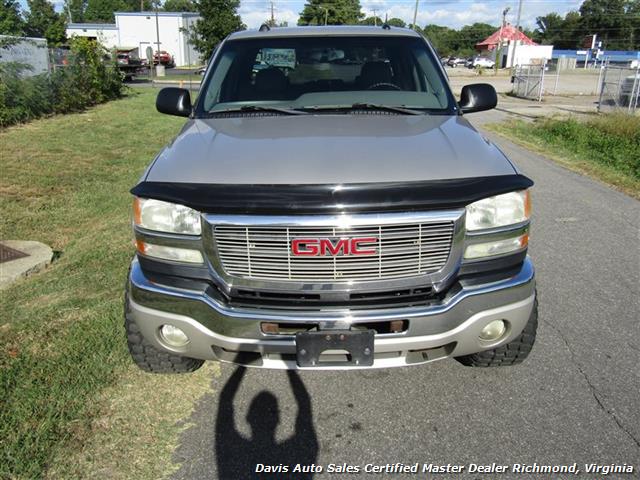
(376, 86)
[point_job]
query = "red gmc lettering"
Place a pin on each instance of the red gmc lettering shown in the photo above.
(325, 246)
(356, 242)
(305, 246)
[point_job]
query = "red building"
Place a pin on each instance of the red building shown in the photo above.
(506, 34)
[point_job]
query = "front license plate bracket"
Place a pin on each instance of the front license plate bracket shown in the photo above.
(358, 345)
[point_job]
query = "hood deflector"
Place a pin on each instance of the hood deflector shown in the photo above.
(329, 199)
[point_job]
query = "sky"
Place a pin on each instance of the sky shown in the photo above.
(450, 13)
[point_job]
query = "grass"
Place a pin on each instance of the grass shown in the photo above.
(65, 182)
(606, 147)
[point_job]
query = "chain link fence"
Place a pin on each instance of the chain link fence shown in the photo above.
(528, 81)
(619, 89)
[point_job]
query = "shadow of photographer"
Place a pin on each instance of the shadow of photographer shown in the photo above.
(237, 456)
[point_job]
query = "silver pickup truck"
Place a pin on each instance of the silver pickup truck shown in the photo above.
(328, 206)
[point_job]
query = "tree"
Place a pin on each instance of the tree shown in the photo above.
(74, 9)
(218, 19)
(139, 5)
(549, 28)
(372, 21)
(396, 22)
(331, 12)
(180, 6)
(42, 21)
(102, 11)
(11, 22)
(613, 21)
(444, 39)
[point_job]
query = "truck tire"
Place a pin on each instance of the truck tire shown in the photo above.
(152, 360)
(512, 353)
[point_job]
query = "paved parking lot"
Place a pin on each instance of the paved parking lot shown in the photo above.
(574, 400)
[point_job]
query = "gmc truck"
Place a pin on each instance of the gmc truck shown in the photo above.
(333, 209)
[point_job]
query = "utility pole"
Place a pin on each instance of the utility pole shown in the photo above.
(515, 41)
(273, 20)
(375, 17)
(499, 47)
(415, 15)
(157, 34)
(142, 5)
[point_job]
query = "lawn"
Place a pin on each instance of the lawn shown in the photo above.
(64, 366)
(606, 147)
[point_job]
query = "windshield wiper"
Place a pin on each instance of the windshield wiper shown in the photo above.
(257, 108)
(367, 106)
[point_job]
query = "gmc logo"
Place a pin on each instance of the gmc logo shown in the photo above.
(314, 247)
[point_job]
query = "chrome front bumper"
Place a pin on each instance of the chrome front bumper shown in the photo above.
(217, 331)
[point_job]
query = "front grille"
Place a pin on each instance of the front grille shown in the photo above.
(403, 250)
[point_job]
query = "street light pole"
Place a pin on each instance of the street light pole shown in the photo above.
(415, 15)
(326, 16)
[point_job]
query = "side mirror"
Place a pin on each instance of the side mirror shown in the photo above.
(477, 98)
(174, 101)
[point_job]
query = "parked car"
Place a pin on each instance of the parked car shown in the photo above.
(482, 62)
(456, 61)
(329, 215)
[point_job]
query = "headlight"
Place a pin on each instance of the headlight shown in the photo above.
(506, 209)
(165, 217)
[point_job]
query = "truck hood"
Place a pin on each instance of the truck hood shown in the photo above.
(327, 149)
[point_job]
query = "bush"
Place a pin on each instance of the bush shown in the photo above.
(612, 140)
(90, 78)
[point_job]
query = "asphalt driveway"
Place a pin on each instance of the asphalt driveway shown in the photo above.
(574, 400)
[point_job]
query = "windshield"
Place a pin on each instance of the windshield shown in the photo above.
(321, 73)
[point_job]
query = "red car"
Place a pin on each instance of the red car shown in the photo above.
(165, 59)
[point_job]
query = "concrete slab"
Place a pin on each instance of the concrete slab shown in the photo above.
(39, 256)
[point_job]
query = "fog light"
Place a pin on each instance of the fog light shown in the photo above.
(493, 330)
(173, 336)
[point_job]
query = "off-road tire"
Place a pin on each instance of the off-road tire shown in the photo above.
(152, 360)
(512, 353)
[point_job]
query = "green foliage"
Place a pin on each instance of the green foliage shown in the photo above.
(11, 22)
(88, 80)
(101, 11)
(396, 22)
(180, 6)
(219, 19)
(76, 9)
(448, 41)
(331, 12)
(42, 21)
(372, 21)
(616, 22)
(610, 140)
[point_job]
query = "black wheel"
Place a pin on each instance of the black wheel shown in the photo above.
(152, 360)
(512, 353)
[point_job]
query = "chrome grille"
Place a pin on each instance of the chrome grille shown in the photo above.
(264, 252)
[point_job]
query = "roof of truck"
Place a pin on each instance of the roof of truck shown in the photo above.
(337, 30)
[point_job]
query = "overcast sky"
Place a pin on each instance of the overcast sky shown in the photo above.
(452, 13)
